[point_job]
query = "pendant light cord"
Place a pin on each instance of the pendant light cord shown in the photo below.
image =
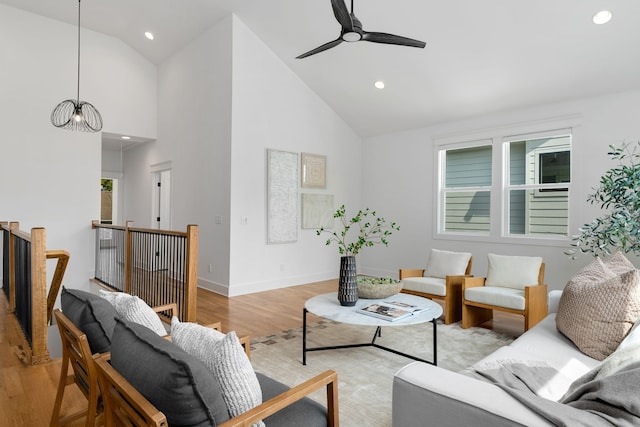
(78, 99)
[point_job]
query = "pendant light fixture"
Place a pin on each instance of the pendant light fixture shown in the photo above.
(74, 114)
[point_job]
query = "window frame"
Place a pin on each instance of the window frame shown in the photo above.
(442, 190)
(499, 208)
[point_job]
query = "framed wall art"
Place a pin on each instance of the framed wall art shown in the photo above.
(282, 196)
(314, 170)
(317, 210)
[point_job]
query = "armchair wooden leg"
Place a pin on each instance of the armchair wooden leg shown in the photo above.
(453, 306)
(472, 316)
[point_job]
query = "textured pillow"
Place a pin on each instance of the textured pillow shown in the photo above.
(515, 272)
(173, 381)
(92, 315)
(445, 263)
(134, 309)
(618, 263)
(596, 312)
(224, 356)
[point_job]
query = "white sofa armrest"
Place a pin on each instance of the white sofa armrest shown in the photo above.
(554, 300)
(424, 392)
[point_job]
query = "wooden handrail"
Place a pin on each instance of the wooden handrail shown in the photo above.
(56, 281)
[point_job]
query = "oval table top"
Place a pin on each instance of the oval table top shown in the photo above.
(327, 306)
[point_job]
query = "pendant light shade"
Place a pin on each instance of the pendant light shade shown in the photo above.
(75, 114)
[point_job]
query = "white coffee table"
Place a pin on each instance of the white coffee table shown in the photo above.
(328, 307)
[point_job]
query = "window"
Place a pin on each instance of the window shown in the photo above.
(539, 174)
(502, 186)
(467, 189)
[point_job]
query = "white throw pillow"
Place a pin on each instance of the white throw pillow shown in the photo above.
(134, 309)
(224, 356)
(445, 263)
(515, 272)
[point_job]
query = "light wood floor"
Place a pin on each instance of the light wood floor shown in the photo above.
(27, 393)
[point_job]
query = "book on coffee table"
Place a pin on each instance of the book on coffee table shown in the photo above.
(391, 310)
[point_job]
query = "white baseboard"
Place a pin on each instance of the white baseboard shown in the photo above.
(267, 285)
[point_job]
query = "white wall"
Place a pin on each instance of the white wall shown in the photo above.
(50, 177)
(223, 100)
(273, 108)
(194, 135)
(404, 191)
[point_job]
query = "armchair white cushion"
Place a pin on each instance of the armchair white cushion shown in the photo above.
(428, 285)
(513, 271)
(446, 263)
(495, 295)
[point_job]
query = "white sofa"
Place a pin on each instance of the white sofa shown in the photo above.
(425, 395)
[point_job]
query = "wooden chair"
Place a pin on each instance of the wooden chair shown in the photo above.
(530, 302)
(125, 406)
(448, 289)
(77, 354)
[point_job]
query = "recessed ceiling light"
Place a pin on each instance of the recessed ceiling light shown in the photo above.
(125, 137)
(379, 84)
(602, 17)
(149, 35)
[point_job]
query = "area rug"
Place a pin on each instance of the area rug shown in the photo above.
(365, 375)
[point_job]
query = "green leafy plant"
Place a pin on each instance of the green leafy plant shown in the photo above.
(365, 229)
(368, 280)
(619, 193)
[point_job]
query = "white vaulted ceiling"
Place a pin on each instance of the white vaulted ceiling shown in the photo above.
(481, 56)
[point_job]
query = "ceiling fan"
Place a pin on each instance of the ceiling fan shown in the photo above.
(352, 32)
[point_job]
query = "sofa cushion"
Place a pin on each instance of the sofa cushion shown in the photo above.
(175, 382)
(502, 297)
(305, 412)
(597, 309)
(632, 338)
(92, 315)
(446, 263)
(429, 285)
(515, 272)
(224, 356)
(544, 343)
(134, 309)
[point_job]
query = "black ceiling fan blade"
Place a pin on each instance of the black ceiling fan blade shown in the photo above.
(321, 48)
(341, 13)
(392, 39)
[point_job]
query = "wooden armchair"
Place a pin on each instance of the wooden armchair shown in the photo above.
(76, 353)
(448, 289)
(529, 300)
(125, 406)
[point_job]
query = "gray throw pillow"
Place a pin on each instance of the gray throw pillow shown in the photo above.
(173, 381)
(92, 315)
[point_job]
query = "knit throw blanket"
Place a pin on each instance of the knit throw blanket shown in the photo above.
(608, 395)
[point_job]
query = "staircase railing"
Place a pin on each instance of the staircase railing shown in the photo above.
(24, 281)
(159, 266)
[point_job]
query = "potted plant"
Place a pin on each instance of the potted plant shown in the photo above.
(619, 194)
(365, 229)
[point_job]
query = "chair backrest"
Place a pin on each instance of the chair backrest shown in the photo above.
(76, 347)
(77, 353)
(515, 272)
(123, 404)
